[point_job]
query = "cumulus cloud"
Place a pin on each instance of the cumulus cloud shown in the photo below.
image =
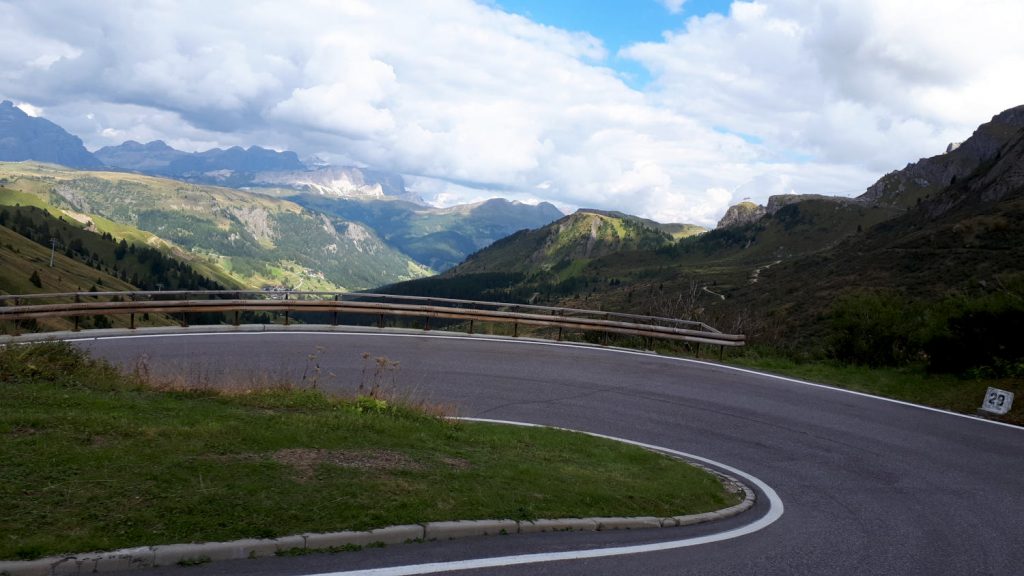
(469, 101)
(867, 82)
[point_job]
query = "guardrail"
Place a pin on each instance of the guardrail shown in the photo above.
(19, 307)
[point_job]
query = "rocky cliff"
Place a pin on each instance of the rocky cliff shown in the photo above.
(919, 180)
(23, 137)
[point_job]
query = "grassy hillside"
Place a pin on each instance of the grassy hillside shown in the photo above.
(565, 245)
(21, 258)
(252, 240)
(142, 266)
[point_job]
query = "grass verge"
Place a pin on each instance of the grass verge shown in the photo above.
(907, 383)
(96, 460)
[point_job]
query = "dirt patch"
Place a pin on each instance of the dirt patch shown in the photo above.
(305, 460)
(22, 431)
(456, 463)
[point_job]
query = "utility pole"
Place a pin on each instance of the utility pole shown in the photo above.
(53, 246)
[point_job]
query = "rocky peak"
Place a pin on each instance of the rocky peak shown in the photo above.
(745, 212)
(23, 137)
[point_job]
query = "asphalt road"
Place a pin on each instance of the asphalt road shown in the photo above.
(869, 486)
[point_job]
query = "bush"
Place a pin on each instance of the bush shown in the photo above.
(983, 334)
(874, 328)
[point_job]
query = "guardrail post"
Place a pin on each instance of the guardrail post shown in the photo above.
(471, 326)
(334, 313)
(426, 323)
(380, 321)
(184, 315)
(131, 321)
(286, 311)
(236, 318)
(76, 323)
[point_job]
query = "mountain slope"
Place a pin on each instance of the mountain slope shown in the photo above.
(436, 237)
(254, 239)
(23, 137)
(777, 275)
(575, 239)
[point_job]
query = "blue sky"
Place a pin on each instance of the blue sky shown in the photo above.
(617, 23)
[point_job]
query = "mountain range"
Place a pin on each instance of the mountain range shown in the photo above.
(249, 217)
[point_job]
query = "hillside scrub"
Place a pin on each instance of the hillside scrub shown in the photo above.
(958, 335)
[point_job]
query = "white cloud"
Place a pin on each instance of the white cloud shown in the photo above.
(673, 6)
(33, 111)
(869, 83)
(471, 102)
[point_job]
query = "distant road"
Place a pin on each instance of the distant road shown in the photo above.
(870, 486)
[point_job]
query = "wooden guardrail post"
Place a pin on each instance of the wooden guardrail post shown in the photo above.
(334, 313)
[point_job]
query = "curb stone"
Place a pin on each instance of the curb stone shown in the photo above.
(167, 555)
(465, 528)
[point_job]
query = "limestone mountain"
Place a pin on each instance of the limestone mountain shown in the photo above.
(23, 137)
(257, 167)
(340, 182)
(133, 156)
(235, 166)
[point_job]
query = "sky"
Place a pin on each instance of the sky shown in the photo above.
(668, 109)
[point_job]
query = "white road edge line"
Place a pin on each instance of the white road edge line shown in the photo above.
(580, 346)
(775, 511)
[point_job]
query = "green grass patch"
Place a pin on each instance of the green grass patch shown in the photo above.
(96, 460)
(907, 383)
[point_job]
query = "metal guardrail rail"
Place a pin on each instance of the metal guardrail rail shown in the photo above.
(78, 304)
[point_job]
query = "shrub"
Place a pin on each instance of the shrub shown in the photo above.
(873, 328)
(982, 334)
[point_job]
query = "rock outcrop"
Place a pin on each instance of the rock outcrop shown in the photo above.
(901, 188)
(742, 213)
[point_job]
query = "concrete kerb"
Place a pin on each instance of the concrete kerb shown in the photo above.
(201, 553)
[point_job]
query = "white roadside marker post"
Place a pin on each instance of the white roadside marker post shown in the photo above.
(997, 401)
